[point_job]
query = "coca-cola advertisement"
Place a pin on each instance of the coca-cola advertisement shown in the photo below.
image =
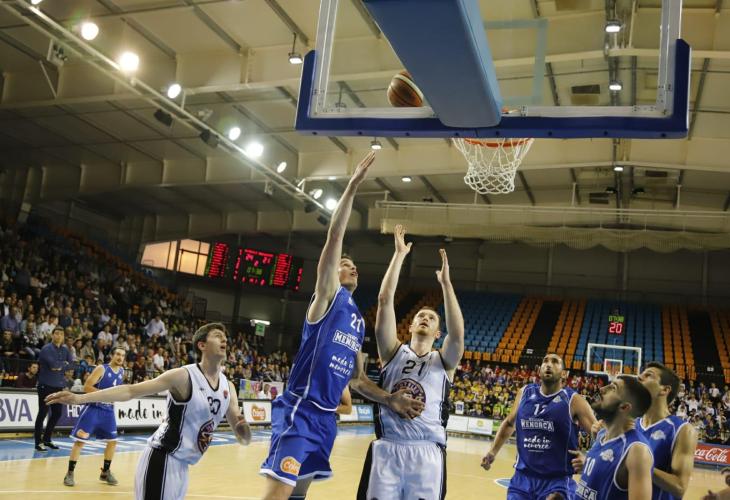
(712, 454)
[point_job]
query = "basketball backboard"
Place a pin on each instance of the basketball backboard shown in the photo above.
(553, 62)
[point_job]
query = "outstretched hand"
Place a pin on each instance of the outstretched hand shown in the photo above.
(362, 169)
(578, 461)
(400, 243)
(62, 397)
(242, 431)
(442, 275)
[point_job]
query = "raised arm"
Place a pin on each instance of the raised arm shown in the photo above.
(453, 348)
(676, 482)
(170, 380)
(329, 260)
(400, 401)
(506, 429)
(385, 321)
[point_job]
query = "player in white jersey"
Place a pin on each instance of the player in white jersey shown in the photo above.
(199, 398)
(408, 459)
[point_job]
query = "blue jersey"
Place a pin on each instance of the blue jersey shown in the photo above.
(545, 432)
(598, 481)
(661, 437)
(110, 378)
(326, 358)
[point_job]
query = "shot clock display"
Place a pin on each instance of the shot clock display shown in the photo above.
(254, 267)
(616, 323)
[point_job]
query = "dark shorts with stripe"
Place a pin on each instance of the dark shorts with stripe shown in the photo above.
(160, 476)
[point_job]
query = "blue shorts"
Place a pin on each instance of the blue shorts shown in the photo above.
(525, 486)
(302, 436)
(95, 422)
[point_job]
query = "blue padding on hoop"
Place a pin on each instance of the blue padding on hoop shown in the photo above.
(443, 45)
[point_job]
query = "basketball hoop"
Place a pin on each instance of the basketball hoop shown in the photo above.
(492, 163)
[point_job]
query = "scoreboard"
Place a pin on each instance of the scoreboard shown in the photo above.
(616, 323)
(254, 267)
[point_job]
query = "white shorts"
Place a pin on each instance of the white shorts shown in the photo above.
(414, 470)
(160, 476)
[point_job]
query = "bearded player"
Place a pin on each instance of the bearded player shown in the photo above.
(672, 439)
(408, 458)
(546, 417)
(619, 465)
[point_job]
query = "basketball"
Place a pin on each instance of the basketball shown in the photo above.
(403, 92)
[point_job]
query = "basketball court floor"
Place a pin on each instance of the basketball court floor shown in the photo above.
(229, 471)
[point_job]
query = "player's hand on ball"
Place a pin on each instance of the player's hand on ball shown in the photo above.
(488, 460)
(404, 405)
(242, 431)
(400, 243)
(62, 397)
(578, 461)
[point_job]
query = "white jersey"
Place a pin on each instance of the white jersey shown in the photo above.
(188, 429)
(426, 379)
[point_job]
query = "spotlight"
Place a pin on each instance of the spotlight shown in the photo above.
(163, 117)
(129, 62)
(316, 193)
(294, 56)
(174, 90)
(35, 2)
(234, 133)
(330, 204)
(613, 26)
(89, 30)
(615, 86)
(332, 178)
(209, 138)
(375, 145)
(254, 149)
(406, 178)
(618, 168)
(281, 167)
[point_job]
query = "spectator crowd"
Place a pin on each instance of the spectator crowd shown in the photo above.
(55, 279)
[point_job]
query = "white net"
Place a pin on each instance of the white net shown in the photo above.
(493, 163)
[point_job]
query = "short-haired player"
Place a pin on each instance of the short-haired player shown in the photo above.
(97, 420)
(672, 439)
(199, 397)
(545, 417)
(619, 465)
(408, 458)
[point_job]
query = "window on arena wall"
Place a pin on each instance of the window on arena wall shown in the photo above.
(192, 256)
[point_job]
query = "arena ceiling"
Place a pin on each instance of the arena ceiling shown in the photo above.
(69, 131)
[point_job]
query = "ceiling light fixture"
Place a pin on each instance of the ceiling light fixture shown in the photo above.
(375, 145)
(613, 26)
(174, 90)
(163, 117)
(294, 56)
(89, 30)
(209, 138)
(406, 178)
(129, 62)
(234, 133)
(254, 149)
(618, 168)
(615, 86)
(316, 193)
(330, 204)
(281, 167)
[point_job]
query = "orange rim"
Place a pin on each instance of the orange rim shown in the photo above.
(495, 144)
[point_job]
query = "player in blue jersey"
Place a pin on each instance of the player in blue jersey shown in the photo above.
(97, 420)
(619, 465)
(303, 417)
(545, 417)
(672, 439)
